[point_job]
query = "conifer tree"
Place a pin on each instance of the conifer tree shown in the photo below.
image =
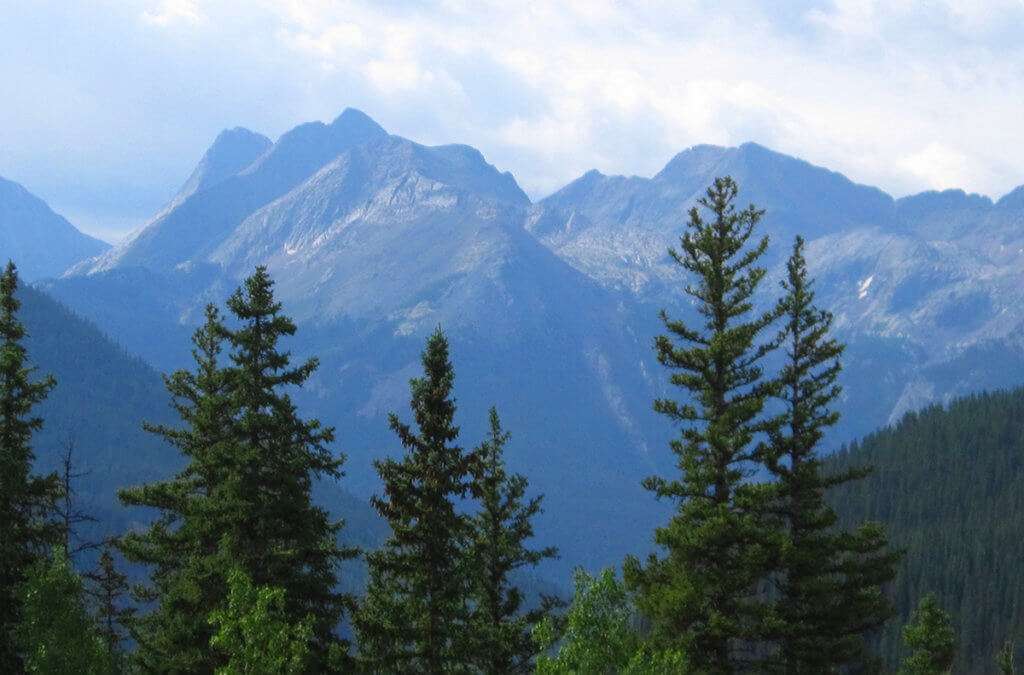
(416, 611)
(829, 582)
(500, 628)
(244, 498)
(26, 501)
(197, 507)
(284, 541)
(702, 596)
(930, 638)
(109, 590)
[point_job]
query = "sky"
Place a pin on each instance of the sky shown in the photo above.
(107, 105)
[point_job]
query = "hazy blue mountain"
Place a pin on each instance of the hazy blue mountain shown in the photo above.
(232, 151)
(41, 242)
(618, 229)
(372, 248)
(199, 223)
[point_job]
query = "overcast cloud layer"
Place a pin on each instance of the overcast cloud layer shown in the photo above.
(107, 105)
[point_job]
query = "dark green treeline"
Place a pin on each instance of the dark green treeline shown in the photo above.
(949, 484)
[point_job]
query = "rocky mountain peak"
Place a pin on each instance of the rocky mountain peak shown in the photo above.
(232, 151)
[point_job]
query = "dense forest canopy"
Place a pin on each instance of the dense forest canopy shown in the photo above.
(948, 483)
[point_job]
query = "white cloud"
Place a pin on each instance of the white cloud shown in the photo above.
(622, 86)
(168, 12)
(940, 167)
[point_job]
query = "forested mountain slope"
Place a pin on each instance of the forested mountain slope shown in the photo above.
(101, 399)
(949, 486)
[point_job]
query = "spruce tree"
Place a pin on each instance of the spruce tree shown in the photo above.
(500, 628)
(415, 614)
(197, 508)
(108, 589)
(702, 597)
(930, 638)
(243, 500)
(829, 581)
(26, 501)
(284, 540)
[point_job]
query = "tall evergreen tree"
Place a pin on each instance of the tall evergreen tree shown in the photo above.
(244, 498)
(197, 507)
(416, 612)
(829, 581)
(109, 589)
(930, 638)
(26, 501)
(285, 541)
(501, 630)
(702, 597)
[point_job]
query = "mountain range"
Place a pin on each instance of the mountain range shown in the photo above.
(550, 306)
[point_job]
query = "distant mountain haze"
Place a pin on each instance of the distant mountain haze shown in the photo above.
(41, 242)
(232, 151)
(551, 307)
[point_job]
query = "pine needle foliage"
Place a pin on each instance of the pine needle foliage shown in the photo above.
(830, 581)
(416, 614)
(500, 627)
(702, 597)
(244, 498)
(27, 501)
